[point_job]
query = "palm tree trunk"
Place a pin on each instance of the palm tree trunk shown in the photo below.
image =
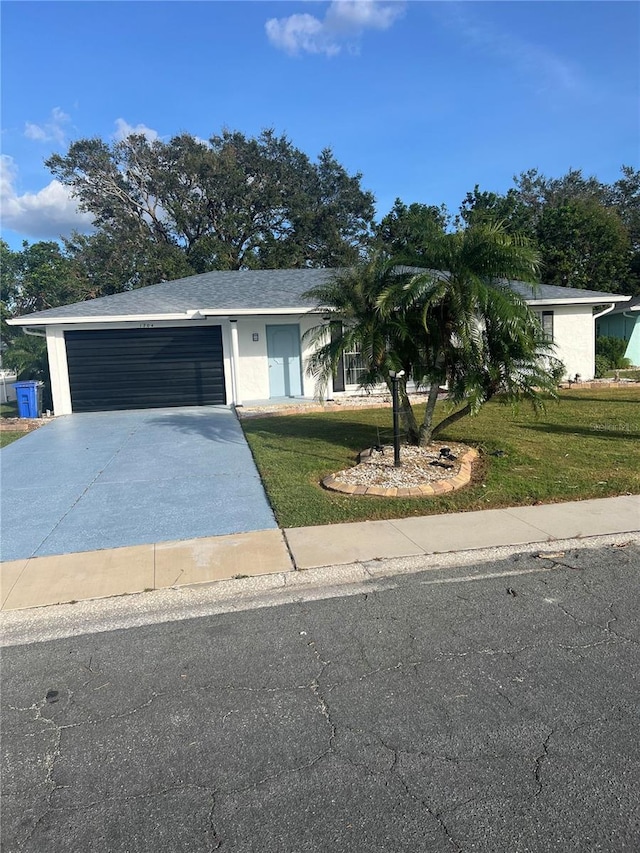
(451, 419)
(407, 415)
(426, 428)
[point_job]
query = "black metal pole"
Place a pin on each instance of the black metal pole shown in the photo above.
(396, 426)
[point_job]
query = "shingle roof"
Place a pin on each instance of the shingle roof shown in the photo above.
(219, 291)
(245, 290)
(553, 292)
(632, 305)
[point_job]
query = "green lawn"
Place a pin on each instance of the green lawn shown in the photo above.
(6, 437)
(9, 410)
(585, 446)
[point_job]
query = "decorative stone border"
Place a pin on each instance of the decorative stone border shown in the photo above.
(21, 424)
(438, 487)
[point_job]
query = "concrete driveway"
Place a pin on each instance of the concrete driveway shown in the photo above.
(110, 479)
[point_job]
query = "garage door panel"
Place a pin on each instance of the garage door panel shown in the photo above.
(113, 369)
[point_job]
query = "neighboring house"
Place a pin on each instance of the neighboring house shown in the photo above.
(623, 322)
(7, 391)
(233, 337)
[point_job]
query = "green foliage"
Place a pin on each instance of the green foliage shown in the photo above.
(601, 366)
(231, 204)
(39, 277)
(479, 338)
(8, 437)
(510, 209)
(462, 326)
(27, 355)
(587, 232)
(34, 279)
(112, 262)
(610, 354)
(585, 246)
(351, 301)
(405, 232)
(9, 409)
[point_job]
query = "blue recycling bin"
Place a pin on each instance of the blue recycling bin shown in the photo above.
(29, 398)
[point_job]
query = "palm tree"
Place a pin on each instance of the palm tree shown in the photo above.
(385, 341)
(457, 324)
(478, 336)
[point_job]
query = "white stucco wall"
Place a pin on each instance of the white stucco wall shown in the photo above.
(573, 327)
(57, 353)
(58, 370)
(253, 374)
(574, 336)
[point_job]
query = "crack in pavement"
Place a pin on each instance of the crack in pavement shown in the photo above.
(436, 815)
(606, 627)
(539, 761)
(217, 841)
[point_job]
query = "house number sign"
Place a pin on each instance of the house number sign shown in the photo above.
(146, 325)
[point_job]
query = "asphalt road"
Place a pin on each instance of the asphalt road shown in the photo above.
(490, 707)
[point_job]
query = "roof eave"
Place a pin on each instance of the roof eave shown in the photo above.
(28, 320)
(583, 300)
(192, 314)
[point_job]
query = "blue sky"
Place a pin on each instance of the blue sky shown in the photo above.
(426, 99)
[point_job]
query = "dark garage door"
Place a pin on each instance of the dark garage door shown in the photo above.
(145, 368)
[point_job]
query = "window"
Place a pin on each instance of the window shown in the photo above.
(545, 318)
(336, 336)
(354, 367)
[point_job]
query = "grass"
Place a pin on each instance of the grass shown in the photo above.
(628, 373)
(585, 446)
(6, 437)
(9, 409)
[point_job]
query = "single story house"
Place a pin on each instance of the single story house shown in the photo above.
(623, 322)
(233, 338)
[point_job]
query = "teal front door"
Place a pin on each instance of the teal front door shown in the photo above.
(283, 352)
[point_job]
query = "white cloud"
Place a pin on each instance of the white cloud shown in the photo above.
(300, 33)
(43, 215)
(124, 129)
(357, 15)
(53, 130)
(34, 131)
(547, 72)
(344, 21)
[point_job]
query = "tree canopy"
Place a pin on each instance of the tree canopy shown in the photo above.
(41, 276)
(406, 231)
(232, 203)
(587, 232)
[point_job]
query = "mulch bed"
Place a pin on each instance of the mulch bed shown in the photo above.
(22, 424)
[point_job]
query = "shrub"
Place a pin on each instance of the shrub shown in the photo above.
(602, 366)
(612, 350)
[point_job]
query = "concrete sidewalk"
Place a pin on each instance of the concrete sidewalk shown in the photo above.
(40, 581)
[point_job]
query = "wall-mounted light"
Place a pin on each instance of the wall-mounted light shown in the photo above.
(255, 336)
